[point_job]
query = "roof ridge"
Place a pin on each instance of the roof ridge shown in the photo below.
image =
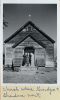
(20, 29)
(27, 23)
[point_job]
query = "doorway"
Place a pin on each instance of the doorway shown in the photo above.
(28, 57)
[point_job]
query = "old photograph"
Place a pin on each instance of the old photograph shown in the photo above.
(30, 43)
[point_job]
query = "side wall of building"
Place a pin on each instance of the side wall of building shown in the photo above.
(50, 55)
(8, 54)
(18, 56)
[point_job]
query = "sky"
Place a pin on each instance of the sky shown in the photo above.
(42, 15)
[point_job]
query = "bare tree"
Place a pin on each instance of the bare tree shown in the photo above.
(5, 23)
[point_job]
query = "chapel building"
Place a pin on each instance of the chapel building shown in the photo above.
(29, 46)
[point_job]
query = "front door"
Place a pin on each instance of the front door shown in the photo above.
(28, 57)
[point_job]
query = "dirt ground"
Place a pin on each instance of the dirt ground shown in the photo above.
(43, 76)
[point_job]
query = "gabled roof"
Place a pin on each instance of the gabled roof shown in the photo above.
(19, 36)
(34, 38)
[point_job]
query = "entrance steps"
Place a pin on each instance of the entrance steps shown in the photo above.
(28, 69)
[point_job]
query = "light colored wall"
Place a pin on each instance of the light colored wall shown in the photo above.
(50, 55)
(43, 56)
(18, 56)
(40, 57)
(8, 54)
